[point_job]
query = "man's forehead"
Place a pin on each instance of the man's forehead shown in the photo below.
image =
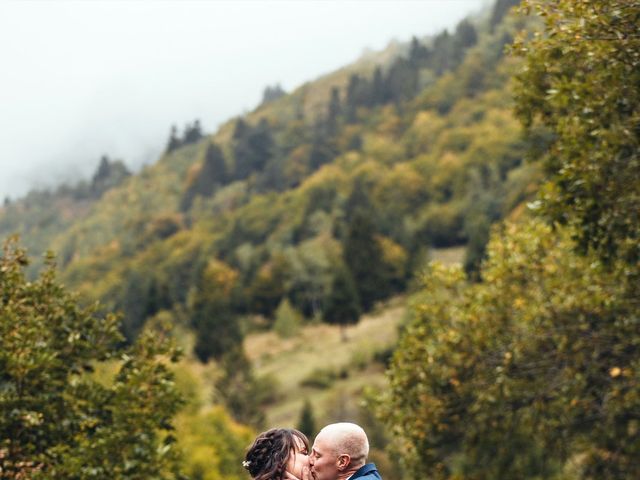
(320, 444)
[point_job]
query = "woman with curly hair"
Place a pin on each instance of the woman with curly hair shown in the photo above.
(278, 454)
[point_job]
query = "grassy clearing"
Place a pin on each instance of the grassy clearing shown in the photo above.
(449, 255)
(319, 349)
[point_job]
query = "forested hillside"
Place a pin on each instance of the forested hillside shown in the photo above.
(323, 205)
(327, 197)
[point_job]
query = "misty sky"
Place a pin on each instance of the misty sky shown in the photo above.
(82, 79)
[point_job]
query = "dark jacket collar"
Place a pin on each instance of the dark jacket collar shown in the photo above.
(364, 470)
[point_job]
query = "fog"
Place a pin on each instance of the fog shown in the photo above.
(83, 79)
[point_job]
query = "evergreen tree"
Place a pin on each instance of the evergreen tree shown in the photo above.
(212, 174)
(103, 171)
(240, 129)
(443, 56)
(352, 102)
(378, 88)
(418, 53)
(342, 306)
(464, 37)
(500, 9)
(136, 302)
(174, 142)
(272, 93)
(363, 256)
(157, 297)
(108, 175)
(322, 152)
(239, 388)
(401, 82)
(334, 111)
(253, 147)
(192, 134)
(358, 201)
(359, 94)
(307, 421)
(261, 144)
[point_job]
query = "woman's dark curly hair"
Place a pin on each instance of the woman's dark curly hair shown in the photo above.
(267, 458)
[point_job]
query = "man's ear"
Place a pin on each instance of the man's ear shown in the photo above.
(344, 461)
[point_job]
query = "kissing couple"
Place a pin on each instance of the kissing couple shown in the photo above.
(339, 452)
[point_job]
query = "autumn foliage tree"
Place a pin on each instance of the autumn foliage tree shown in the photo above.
(533, 371)
(581, 82)
(56, 419)
(523, 373)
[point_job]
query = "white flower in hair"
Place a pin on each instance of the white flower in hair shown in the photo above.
(246, 463)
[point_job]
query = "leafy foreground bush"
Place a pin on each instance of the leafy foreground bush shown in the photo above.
(57, 419)
(531, 373)
(534, 371)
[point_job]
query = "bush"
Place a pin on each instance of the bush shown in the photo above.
(288, 320)
(323, 378)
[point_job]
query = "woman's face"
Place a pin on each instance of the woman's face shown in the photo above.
(298, 458)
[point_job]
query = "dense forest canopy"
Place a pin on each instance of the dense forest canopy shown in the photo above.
(285, 198)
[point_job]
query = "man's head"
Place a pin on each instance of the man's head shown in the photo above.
(338, 451)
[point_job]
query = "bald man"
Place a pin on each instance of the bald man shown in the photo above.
(340, 452)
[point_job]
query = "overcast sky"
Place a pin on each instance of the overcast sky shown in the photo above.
(79, 79)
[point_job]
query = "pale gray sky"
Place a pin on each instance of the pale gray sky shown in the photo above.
(83, 78)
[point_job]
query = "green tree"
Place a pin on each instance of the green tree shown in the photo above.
(272, 93)
(173, 142)
(322, 151)
(359, 94)
(216, 327)
(240, 391)
(363, 256)
(532, 372)
(57, 419)
(334, 111)
(581, 82)
(268, 286)
(109, 174)
(307, 421)
(253, 147)
(527, 374)
(443, 53)
(192, 133)
(342, 306)
(212, 174)
(418, 53)
(499, 10)
(288, 320)
(135, 301)
(401, 81)
(378, 87)
(464, 37)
